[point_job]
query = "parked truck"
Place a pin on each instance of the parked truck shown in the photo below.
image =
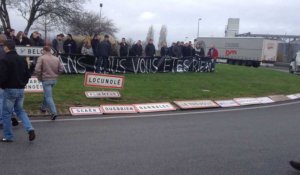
(249, 51)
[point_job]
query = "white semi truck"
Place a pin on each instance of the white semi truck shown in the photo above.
(250, 51)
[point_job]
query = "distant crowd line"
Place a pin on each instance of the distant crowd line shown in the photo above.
(98, 47)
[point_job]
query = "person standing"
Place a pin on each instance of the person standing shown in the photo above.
(47, 69)
(36, 40)
(14, 75)
(87, 48)
(22, 39)
(138, 48)
(213, 54)
(70, 45)
(123, 48)
(103, 52)
(150, 49)
(164, 51)
(58, 43)
(2, 56)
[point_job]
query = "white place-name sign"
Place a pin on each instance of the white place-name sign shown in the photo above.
(264, 100)
(34, 85)
(154, 107)
(196, 104)
(227, 103)
(86, 111)
(247, 101)
(104, 80)
(118, 109)
(30, 51)
(102, 94)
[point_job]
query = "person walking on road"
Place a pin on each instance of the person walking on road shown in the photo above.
(47, 69)
(14, 75)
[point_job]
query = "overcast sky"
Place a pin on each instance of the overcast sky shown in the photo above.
(133, 17)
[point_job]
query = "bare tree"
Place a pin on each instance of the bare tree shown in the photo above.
(88, 24)
(162, 36)
(4, 16)
(32, 10)
(46, 24)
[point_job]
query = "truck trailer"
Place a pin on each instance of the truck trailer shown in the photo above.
(249, 51)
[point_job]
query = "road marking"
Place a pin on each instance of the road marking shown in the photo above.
(168, 114)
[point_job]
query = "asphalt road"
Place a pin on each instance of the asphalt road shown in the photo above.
(258, 140)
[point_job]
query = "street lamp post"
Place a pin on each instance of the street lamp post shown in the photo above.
(101, 5)
(199, 19)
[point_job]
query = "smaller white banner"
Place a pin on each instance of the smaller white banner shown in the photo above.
(265, 100)
(104, 80)
(293, 96)
(102, 94)
(247, 101)
(227, 103)
(86, 111)
(34, 85)
(154, 107)
(118, 109)
(196, 104)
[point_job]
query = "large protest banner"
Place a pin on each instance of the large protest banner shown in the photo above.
(82, 64)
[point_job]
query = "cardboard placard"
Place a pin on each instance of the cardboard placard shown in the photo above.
(34, 85)
(104, 80)
(102, 94)
(154, 107)
(196, 104)
(85, 111)
(118, 109)
(227, 103)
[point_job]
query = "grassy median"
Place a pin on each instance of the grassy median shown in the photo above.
(226, 83)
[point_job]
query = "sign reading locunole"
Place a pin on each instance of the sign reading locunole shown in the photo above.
(104, 80)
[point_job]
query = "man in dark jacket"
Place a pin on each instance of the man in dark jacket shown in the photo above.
(14, 75)
(103, 51)
(164, 51)
(123, 48)
(150, 49)
(138, 48)
(70, 46)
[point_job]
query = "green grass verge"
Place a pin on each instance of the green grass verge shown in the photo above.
(228, 82)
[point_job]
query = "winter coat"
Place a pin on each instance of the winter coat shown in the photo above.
(104, 49)
(150, 50)
(123, 49)
(14, 72)
(70, 46)
(213, 53)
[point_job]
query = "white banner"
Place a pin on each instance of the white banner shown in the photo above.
(246, 101)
